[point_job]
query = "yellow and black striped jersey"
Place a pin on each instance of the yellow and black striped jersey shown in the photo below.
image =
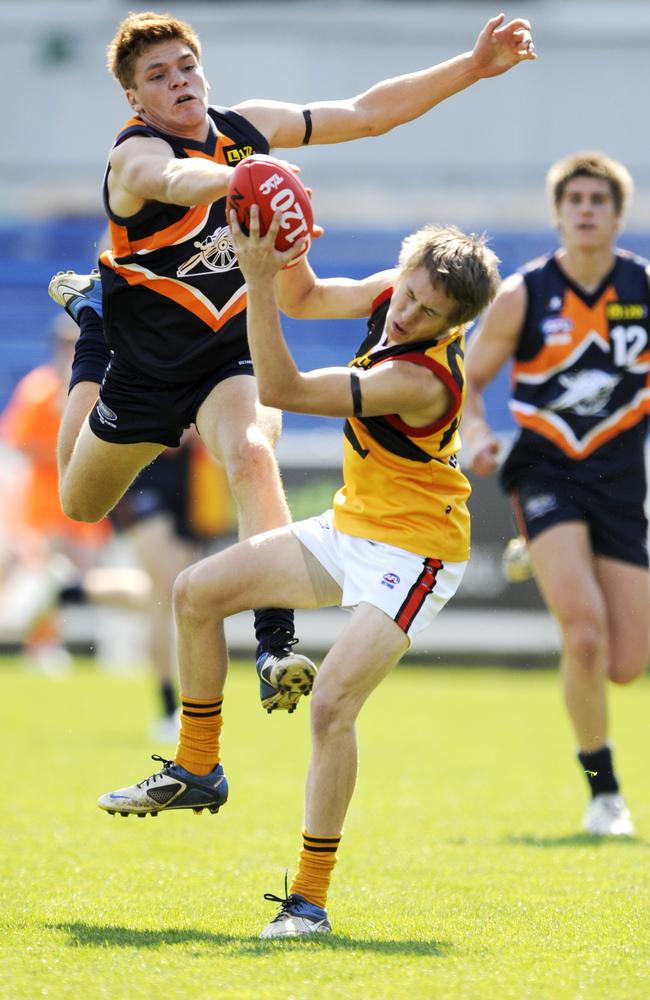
(403, 485)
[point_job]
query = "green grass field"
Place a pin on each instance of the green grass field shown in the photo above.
(462, 872)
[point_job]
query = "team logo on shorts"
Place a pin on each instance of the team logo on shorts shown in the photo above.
(390, 580)
(540, 505)
(105, 414)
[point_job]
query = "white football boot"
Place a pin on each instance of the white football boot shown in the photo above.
(608, 816)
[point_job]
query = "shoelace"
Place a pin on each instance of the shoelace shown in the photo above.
(284, 903)
(281, 642)
(159, 774)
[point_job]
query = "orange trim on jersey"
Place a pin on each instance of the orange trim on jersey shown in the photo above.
(119, 240)
(183, 295)
(586, 322)
(642, 363)
(192, 222)
(554, 429)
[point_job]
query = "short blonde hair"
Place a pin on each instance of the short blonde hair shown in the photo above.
(591, 164)
(463, 266)
(136, 33)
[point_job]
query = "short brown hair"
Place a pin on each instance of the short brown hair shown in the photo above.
(591, 164)
(463, 266)
(137, 32)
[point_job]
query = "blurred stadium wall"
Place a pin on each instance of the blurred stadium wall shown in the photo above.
(479, 160)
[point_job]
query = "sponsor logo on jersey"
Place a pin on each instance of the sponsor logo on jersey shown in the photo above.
(234, 154)
(390, 580)
(626, 310)
(216, 254)
(106, 415)
(556, 326)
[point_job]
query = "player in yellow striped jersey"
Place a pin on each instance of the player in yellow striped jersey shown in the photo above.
(174, 299)
(394, 547)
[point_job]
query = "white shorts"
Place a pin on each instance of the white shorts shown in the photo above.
(410, 589)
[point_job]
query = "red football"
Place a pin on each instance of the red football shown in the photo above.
(275, 187)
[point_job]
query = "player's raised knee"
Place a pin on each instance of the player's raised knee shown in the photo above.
(189, 598)
(250, 463)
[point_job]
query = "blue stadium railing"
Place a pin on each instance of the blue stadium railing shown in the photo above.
(30, 252)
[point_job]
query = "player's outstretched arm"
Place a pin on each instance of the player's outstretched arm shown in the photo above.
(499, 47)
(389, 388)
(303, 295)
(279, 381)
(490, 347)
(145, 169)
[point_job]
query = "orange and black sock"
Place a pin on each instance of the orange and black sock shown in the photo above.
(317, 860)
(199, 739)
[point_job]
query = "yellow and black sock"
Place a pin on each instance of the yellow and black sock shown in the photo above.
(317, 860)
(199, 739)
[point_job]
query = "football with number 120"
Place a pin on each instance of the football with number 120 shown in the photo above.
(273, 186)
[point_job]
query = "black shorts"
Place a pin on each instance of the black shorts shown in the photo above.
(618, 528)
(161, 488)
(134, 408)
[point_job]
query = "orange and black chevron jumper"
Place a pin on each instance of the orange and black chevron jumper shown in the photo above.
(403, 485)
(581, 374)
(174, 297)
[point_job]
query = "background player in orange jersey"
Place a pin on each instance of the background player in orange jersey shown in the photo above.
(576, 326)
(176, 509)
(175, 317)
(41, 546)
(394, 547)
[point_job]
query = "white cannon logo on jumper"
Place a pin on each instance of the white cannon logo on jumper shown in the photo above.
(284, 201)
(215, 254)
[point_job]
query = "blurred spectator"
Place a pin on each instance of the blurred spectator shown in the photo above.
(177, 505)
(41, 544)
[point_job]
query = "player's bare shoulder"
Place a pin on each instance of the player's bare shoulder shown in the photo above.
(281, 123)
(505, 316)
(136, 169)
(512, 289)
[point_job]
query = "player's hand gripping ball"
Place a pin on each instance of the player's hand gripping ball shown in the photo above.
(273, 186)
